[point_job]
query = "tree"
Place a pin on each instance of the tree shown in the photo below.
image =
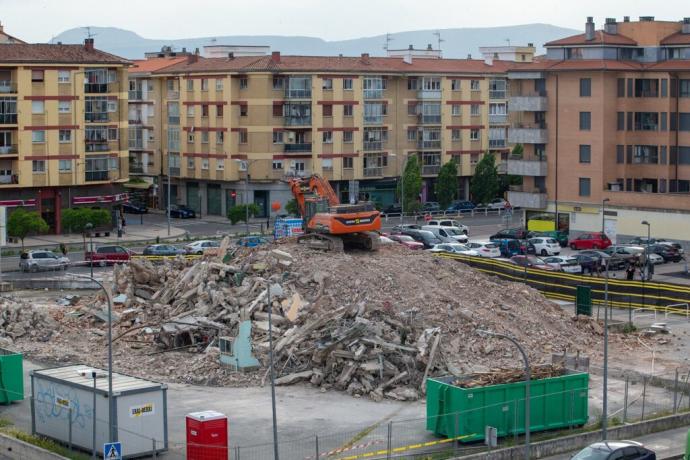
(291, 207)
(74, 220)
(239, 213)
(517, 151)
(485, 183)
(447, 184)
(412, 180)
(22, 223)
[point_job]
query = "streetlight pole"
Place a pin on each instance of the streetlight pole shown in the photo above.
(605, 399)
(168, 213)
(603, 214)
(527, 384)
(246, 201)
(646, 249)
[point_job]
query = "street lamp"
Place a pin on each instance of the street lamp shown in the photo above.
(603, 214)
(649, 237)
(88, 227)
(527, 383)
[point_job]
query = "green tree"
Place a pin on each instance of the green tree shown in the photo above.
(447, 184)
(239, 213)
(412, 180)
(22, 223)
(517, 151)
(74, 220)
(291, 207)
(485, 183)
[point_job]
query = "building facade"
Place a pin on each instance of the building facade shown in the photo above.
(604, 119)
(63, 127)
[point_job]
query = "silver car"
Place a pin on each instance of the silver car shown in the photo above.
(34, 261)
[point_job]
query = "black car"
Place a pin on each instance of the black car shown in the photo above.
(668, 252)
(588, 263)
(615, 263)
(619, 450)
(134, 207)
(182, 212)
(428, 239)
(510, 233)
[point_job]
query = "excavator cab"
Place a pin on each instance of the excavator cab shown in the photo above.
(313, 206)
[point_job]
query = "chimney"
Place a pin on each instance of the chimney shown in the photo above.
(410, 48)
(88, 44)
(488, 60)
(589, 28)
(611, 26)
(686, 26)
(365, 58)
(626, 18)
(469, 56)
(231, 55)
(184, 50)
(192, 58)
(428, 47)
(530, 45)
(2, 28)
(275, 57)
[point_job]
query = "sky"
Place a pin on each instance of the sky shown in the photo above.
(40, 20)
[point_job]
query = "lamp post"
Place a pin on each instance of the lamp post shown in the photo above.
(168, 213)
(603, 214)
(89, 227)
(646, 249)
(527, 383)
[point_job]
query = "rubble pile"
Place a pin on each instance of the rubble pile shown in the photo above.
(369, 324)
(19, 319)
(503, 376)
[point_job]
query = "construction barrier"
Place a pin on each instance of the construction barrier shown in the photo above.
(648, 295)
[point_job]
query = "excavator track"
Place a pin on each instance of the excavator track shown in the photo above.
(321, 241)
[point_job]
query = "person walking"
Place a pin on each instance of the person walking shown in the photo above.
(63, 249)
(630, 271)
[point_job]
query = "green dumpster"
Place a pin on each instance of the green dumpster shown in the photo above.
(463, 413)
(11, 376)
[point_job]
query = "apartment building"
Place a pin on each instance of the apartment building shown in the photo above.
(63, 127)
(237, 126)
(605, 121)
(7, 38)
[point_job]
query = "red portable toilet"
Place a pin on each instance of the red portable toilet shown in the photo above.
(207, 435)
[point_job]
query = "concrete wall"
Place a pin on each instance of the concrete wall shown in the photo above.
(14, 449)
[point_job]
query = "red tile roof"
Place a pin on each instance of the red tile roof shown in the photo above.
(56, 54)
(600, 37)
(153, 64)
(678, 38)
(577, 64)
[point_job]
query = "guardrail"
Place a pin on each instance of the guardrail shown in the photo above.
(682, 309)
(460, 213)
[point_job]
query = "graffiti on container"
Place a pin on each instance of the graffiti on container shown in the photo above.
(53, 402)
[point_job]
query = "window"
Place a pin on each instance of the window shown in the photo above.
(474, 85)
(278, 83)
(412, 83)
(220, 137)
(65, 136)
(456, 110)
(475, 110)
(277, 137)
(37, 75)
(327, 84)
(63, 76)
(219, 110)
(243, 110)
(190, 84)
(38, 166)
(219, 84)
(455, 85)
(585, 87)
(664, 87)
(204, 85)
(190, 163)
(277, 164)
(585, 121)
(474, 158)
(190, 110)
(112, 134)
(327, 163)
(243, 136)
(621, 87)
(298, 166)
(114, 164)
(411, 135)
(684, 88)
(244, 82)
(348, 162)
(204, 163)
(220, 164)
(474, 134)
(585, 153)
(37, 107)
(38, 137)
(111, 106)
(190, 137)
(327, 110)
(204, 137)
(327, 137)
(64, 106)
(64, 165)
(620, 121)
(620, 154)
(585, 185)
(412, 108)
(204, 110)
(348, 136)
(347, 110)
(170, 85)
(455, 135)
(347, 84)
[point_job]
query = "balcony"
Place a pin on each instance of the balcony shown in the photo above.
(137, 144)
(91, 176)
(173, 120)
(8, 118)
(429, 119)
(519, 166)
(96, 117)
(429, 144)
(497, 143)
(97, 146)
(8, 149)
(523, 133)
(528, 102)
(100, 88)
(8, 87)
(173, 95)
(373, 172)
(428, 170)
(136, 167)
(300, 147)
(429, 94)
(9, 179)
(527, 198)
(498, 118)
(373, 145)
(302, 93)
(174, 171)
(646, 126)
(497, 94)
(136, 95)
(296, 121)
(373, 119)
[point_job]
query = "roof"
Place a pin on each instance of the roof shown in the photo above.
(56, 54)
(72, 375)
(679, 38)
(153, 64)
(337, 64)
(577, 64)
(10, 37)
(600, 38)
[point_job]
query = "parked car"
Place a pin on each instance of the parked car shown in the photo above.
(627, 253)
(596, 240)
(431, 206)
(532, 262)
(392, 209)
(496, 203)
(610, 450)
(511, 247)
(108, 255)
(428, 239)
(655, 259)
(510, 233)
(587, 262)
(455, 248)
(447, 232)
(450, 223)
(545, 246)
(561, 237)
(564, 263)
(485, 248)
(668, 252)
(182, 212)
(461, 206)
(162, 250)
(251, 241)
(407, 241)
(615, 263)
(678, 246)
(383, 239)
(199, 247)
(400, 227)
(33, 261)
(134, 207)
(643, 241)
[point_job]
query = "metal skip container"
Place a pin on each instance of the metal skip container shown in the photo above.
(62, 408)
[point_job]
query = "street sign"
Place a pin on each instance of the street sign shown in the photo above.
(112, 451)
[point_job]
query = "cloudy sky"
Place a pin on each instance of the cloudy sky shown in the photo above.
(40, 20)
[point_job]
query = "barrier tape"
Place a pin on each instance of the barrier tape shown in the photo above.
(408, 447)
(346, 449)
(185, 256)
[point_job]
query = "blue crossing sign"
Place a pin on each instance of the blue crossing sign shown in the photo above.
(112, 451)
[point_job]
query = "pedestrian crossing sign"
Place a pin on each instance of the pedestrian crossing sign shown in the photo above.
(112, 451)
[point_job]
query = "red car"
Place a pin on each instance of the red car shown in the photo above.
(595, 240)
(105, 255)
(407, 241)
(532, 262)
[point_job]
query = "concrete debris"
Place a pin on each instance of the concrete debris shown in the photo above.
(19, 319)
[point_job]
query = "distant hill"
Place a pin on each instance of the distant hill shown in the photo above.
(458, 43)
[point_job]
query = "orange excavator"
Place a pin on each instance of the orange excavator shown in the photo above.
(330, 225)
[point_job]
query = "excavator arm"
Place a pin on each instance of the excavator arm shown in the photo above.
(323, 188)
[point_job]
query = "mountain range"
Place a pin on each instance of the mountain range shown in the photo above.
(457, 43)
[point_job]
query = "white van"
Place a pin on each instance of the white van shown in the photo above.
(453, 233)
(449, 223)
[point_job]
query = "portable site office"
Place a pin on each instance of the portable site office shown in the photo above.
(62, 408)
